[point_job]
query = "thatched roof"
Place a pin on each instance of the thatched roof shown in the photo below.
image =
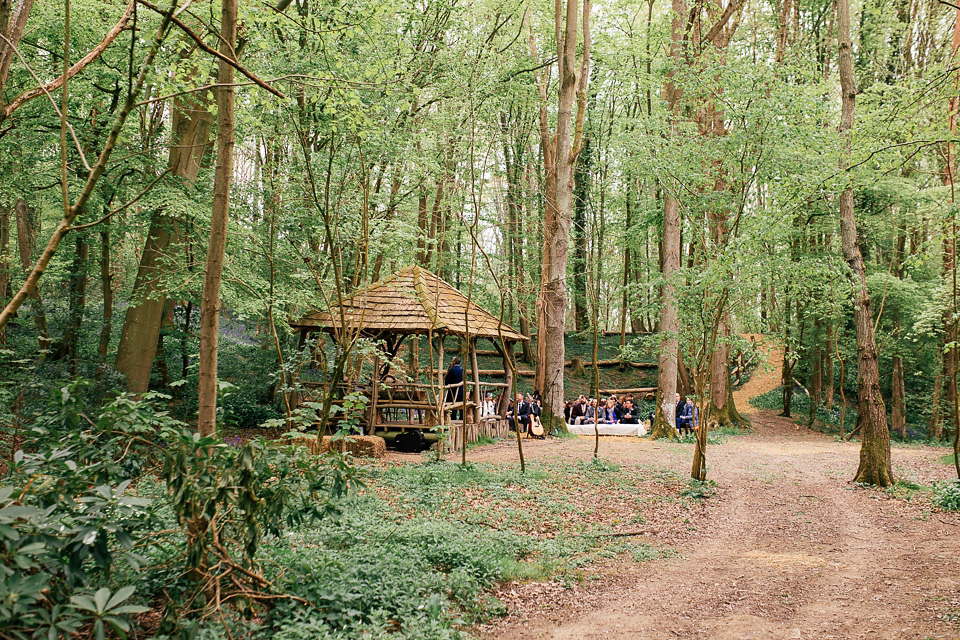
(411, 301)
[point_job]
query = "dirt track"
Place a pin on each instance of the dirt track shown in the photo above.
(788, 548)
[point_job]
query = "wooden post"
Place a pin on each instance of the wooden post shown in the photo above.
(476, 380)
(374, 394)
(442, 417)
(508, 378)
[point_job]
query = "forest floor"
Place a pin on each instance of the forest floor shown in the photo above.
(787, 547)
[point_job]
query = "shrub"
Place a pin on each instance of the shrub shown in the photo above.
(946, 495)
(67, 520)
(242, 411)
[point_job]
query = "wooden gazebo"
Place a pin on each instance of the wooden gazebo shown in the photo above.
(415, 302)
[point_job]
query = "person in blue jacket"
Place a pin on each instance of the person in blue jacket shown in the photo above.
(689, 418)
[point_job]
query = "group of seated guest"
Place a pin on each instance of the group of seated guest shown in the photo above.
(688, 415)
(585, 410)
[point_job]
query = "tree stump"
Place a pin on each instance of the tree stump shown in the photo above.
(577, 368)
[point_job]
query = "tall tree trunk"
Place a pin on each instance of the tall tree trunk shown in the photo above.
(934, 426)
(875, 467)
(223, 175)
(723, 410)
(625, 298)
(665, 419)
(898, 399)
(26, 243)
(560, 150)
(949, 379)
(786, 371)
(139, 337)
(526, 349)
(13, 20)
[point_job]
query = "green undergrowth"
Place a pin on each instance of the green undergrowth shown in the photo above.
(415, 554)
(829, 421)
(946, 495)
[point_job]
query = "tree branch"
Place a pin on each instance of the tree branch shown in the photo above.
(78, 227)
(30, 284)
(722, 21)
(200, 43)
(94, 53)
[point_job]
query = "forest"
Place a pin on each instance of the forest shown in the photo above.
(203, 203)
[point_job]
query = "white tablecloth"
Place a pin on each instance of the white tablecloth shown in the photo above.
(608, 429)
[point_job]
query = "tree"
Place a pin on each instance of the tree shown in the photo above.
(875, 465)
(560, 150)
(207, 386)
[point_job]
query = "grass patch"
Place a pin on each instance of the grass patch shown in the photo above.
(483, 440)
(947, 458)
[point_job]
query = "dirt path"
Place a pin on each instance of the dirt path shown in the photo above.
(788, 548)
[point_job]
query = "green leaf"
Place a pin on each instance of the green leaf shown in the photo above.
(122, 594)
(102, 597)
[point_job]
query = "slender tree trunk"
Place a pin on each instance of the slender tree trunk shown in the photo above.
(898, 399)
(68, 346)
(828, 383)
(875, 467)
(581, 199)
(526, 349)
(934, 427)
(210, 314)
(106, 289)
(949, 378)
(786, 371)
(4, 262)
(625, 299)
(722, 409)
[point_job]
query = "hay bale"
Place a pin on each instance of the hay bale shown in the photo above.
(363, 446)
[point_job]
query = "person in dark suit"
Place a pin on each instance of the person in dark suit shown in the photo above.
(454, 376)
(629, 414)
(520, 415)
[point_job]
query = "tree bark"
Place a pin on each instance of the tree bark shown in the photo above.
(828, 383)
(26, 244)
(665, 419)
(13, 20)
(875, 467)
(106, 288)
(4, 262)
(68, 345)
(210, 313)
(583, 181)
(139, 337)
(560, 151)
(949, 377)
